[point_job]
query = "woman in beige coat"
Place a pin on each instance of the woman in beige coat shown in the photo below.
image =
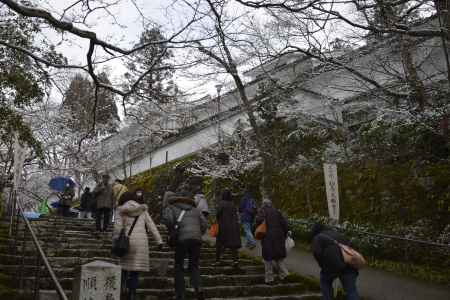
(137, 258)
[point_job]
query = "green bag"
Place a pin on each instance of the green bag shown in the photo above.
(43, 208)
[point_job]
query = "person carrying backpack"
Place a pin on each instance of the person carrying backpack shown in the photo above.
(328, 255)
(192, 225)
(247, 210)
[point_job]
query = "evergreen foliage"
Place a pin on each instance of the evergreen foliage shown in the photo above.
(152, 65)
(22, 82)
(80, 100)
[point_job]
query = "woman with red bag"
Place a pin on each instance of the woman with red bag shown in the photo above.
(229, 235)
(274, 241)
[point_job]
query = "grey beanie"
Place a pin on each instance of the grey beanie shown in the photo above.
(266, 202)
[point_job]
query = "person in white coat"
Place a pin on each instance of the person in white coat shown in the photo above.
(137, 258)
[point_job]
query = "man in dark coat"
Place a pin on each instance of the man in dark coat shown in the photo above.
(104, 203)
(329, 257)
(191, 228)
(66, 200)
(274, 242)
(86, 203)
(229, 235)
(247, 209)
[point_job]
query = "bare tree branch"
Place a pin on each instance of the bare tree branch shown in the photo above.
(40, 59)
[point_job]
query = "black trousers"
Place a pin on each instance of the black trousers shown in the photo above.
(220, 249)
(103, 213)
(65, 210)
(190, 249)
(130, 282)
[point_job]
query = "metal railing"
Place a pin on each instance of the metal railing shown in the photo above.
(17, 214)
(384, 246)
(375, 234)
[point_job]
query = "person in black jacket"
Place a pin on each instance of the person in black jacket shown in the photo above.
(86, 204)
(274, 242)
(329, 257)
(66, 199)
(229, 235)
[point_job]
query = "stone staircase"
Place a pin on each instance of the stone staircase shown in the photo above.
(70, 243)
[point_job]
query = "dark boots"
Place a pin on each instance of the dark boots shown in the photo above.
(131, 295)
(200, 295)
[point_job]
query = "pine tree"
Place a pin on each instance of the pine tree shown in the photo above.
(156, 87)
(80, 99)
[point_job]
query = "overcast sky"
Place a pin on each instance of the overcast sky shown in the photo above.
(123, 23)
(122, 30)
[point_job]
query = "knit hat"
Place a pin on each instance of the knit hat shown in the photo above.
(182, 195)
(267, 202)
(316, 229)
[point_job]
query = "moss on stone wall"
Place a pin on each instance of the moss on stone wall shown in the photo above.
(370, 192)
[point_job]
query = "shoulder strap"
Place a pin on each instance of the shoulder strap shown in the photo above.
(180, 217)
(132, 226)
(121, 189)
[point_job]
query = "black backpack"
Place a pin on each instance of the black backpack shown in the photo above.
(172, 236)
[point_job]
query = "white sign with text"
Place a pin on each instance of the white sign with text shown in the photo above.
(332, 189)
(99, 280)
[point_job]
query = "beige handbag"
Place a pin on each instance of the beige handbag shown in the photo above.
(352, 257)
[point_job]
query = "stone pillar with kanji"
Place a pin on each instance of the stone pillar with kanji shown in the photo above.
(97, 280)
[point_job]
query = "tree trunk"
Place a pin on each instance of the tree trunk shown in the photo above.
(308, 197)
(412, 76)
(442, 10)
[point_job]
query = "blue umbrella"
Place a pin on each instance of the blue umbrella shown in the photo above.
(55, 205)
(59, 183)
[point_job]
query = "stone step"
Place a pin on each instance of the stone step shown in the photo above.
(80, 228)
(70, 243)
(224, 291)
(77, 233)
(96, 252)
(166, 282)
(61, 239)
(9, 259)
(41, 230)
(63, 272)
(69, 222)
(89, 247)
(311, 296)
(91, 237)
(219, 292)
